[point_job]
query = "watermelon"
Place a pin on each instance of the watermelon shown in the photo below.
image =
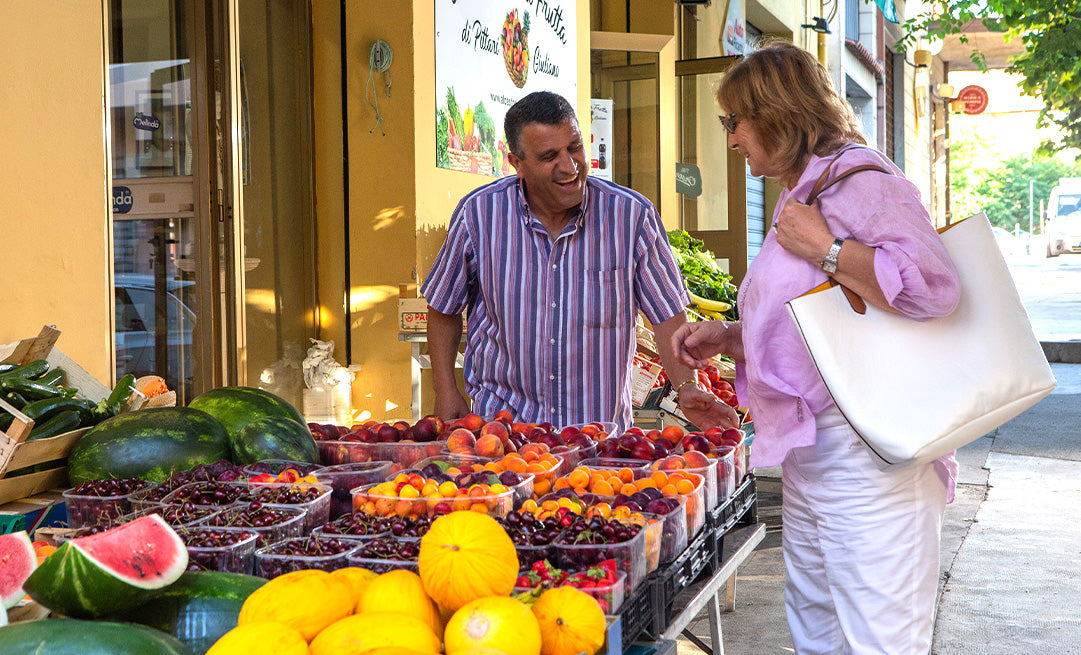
(109, 572)
(235, 407)
(17, 562)
(149, 444)
(74, 637)
(274, 437)
(198, 608)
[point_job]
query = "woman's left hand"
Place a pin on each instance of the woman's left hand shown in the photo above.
(802, 231)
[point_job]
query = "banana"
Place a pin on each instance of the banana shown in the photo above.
(712, 305)
(717, 316)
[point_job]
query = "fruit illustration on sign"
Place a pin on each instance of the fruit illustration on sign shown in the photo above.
(516, 47)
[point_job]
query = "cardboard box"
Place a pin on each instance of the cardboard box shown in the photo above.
(644, 374)
(412, 315)
(15, 451)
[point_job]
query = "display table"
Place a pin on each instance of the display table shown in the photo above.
(417, 362)
(739, 543)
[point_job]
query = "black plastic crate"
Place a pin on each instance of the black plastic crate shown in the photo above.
(680, 574)
(742, 507)
(638, 612)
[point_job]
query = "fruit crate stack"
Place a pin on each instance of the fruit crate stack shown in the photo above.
(38, 463)
(742, 507)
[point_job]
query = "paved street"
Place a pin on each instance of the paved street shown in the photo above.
(1011, 541)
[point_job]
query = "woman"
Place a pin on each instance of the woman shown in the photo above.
(861, 545)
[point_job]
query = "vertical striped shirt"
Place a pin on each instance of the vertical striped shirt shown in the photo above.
(551, 323)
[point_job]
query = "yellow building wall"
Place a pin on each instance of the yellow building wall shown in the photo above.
(54, 221)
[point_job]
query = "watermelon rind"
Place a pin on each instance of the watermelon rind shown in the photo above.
(198, 608)
(274, 437)
(75, 637)
(76, 582)
(235, 407)
(149, 443)
(17, 561)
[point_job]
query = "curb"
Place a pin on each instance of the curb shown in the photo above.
(1062, 352)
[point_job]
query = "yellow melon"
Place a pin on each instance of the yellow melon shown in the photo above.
(308, 600)
(358, 578)
(571, 622)
(401, 592)
(495, 622)
(254, 638)
(362, 632)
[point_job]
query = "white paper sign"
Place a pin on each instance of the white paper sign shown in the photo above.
(488, 55)
(733, 39)
(600, 146)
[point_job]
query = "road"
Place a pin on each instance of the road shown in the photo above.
(1050, 288)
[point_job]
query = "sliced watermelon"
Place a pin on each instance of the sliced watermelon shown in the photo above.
(111, 571)
(72, 637)
(274, 437)
(17, 562)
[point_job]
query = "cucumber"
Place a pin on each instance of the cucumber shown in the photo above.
(65, 421)
(44, 409)
(31, 389)
(29, 370)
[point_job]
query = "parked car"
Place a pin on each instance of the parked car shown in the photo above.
(137, 315)
(1063, 221)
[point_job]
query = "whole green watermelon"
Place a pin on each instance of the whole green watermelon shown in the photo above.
(235, 407)
(149, 444)
(274, 437)
(198, 608)
(76, 637)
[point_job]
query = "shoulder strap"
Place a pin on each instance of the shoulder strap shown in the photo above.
(824, 182)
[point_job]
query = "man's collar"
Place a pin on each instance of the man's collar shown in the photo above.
(523, 203)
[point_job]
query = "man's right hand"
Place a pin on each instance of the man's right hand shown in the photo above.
(695, 343)
(451, 405)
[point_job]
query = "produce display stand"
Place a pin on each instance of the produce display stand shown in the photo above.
(15, 451)
(672, 597)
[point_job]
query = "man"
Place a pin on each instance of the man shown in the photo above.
(553, 267)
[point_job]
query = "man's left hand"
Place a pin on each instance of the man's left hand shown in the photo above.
(705, 411)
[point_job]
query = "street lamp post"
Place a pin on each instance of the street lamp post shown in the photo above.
(1029, 240)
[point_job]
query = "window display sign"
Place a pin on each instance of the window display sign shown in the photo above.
(600, 135)
(733, 39)
(488, 55)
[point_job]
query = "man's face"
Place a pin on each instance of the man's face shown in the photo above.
(553, 166)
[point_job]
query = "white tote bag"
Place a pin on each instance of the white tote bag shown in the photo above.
(916, 390)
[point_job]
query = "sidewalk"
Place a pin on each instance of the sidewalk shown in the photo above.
(1010, 545)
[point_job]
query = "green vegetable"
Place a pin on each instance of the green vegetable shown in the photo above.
(27, 371)
(122, 391)
(32, 389)
(44, 409)
(16, 399)
(65, 421)
(54, 377)
(701, 273)
(485, 127)
(442, 139)
(454, 114)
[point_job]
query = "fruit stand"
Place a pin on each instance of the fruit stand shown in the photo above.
(594, 542)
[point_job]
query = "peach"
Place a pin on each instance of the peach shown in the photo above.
(495, 428)
(461, 437)
(673, 433)
(463, 450)
(653, 435)
(490, 446)
(695, 459)
(537, 448)
(672, 462)
(472, 422)
(503, 416)
(590, 429)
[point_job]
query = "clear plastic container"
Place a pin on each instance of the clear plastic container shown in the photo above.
(630, 556)
(289, 522)
(206, 494)
(726, 471)
(316, 508)
(609, 597)
(708, 473)
(355, 525)
(523, 491)
(238, 557)
(346, 477)
(276, 466)
(640, 467)
(379, 564)
(403, 453)
(179, 516)
(84, 511)
(271, 561)
(498, 504)
(528, 555)
(674, 533)
(148, 496)
(695, 505)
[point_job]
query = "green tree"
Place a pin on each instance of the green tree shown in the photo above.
(1051, 63)
(1002, 191)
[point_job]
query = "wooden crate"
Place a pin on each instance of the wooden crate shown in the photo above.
(15, 451)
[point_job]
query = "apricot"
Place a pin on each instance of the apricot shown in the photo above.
(491, 446)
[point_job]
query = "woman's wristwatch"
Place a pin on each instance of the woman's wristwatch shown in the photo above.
(829, 264)
(683, 384)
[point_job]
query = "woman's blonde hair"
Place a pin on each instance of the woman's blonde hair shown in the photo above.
(791, 100)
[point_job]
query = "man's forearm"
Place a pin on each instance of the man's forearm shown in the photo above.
(444, 337)
(677, 371)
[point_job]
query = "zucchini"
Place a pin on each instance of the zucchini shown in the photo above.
(30, 370)
(31, 389)
(16, 399)
(5, 421)
(44, 409)
(122, 391)
(65, 421)
(54, 377)
(7, 366)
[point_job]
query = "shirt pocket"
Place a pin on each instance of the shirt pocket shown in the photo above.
(609, 298)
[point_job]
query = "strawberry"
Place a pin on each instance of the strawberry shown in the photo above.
(608, 566)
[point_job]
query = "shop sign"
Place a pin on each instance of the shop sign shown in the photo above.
(688, 180)
(600, 137)
(733, 38)
(145, 122)
(975, 99)
(488, 55)
(122, 200)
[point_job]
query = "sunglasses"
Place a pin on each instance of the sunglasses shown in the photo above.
(729, 122)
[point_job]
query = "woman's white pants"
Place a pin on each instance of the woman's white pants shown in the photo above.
(861, 547)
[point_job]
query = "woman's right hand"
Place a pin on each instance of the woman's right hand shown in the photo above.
(695, 343)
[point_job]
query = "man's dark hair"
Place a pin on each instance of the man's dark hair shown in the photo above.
(542, 107)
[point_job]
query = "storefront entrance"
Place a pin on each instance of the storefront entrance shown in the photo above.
(211, 173)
